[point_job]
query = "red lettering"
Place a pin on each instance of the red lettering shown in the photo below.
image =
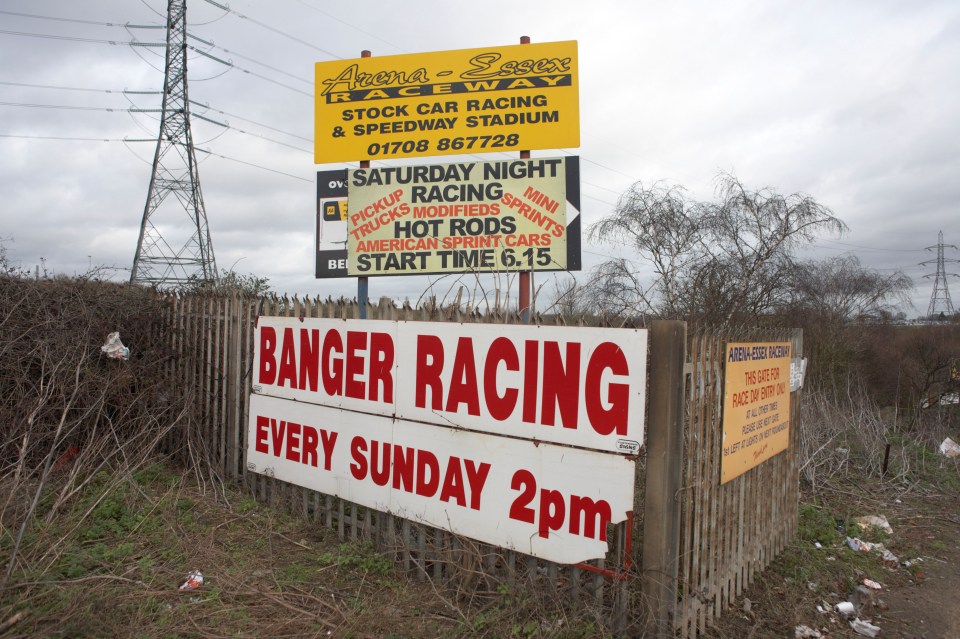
(288, 361)
(268, 362)
(403, 464)
(427, 464)
(531, 372)
(561, 384)
(476, 477)
(327, 439)
(262, 424)
(500, 406)
(276, 432)
(453, 483)
(355, 388)
(293, 441)
(519, 510)
(332, 373)
(429, 367)
(596, 516)
(553, 511)
(309, 452)
(463, 380)
(309, 360)
(380, 463)
(605, 421)
(381, 366)
(358, 468)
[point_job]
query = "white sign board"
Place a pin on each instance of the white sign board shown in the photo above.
(548, 501)
(575, 386)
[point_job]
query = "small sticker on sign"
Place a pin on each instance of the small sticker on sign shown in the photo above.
(628, 446)
(257, 388)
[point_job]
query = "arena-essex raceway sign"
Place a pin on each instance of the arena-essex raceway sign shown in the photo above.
(494, 99)
(518, 438)
(756, 405)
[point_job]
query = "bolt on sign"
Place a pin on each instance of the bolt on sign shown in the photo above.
(756, 405)
(511, 439)
(506, 215)
(483, 100)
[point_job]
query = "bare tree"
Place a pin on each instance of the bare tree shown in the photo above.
(716, 262)
(841, 288)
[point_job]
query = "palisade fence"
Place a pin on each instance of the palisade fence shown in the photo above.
(690, 547)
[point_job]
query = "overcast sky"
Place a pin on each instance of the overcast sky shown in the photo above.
(855, 103)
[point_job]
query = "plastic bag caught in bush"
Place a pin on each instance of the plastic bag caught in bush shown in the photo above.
(114, 348)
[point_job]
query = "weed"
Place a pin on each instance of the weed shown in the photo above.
(359, 556)
(247, 504)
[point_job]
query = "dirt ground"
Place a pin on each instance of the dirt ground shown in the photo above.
(916, 600)
(927, 606)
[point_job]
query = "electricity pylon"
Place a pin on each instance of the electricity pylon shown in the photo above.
(941, 293)
(174, 246)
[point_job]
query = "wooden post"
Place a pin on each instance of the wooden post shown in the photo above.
(363, 283)
(661, 512)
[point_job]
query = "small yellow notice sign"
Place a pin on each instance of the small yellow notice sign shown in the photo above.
(469, 101)
(756, 405)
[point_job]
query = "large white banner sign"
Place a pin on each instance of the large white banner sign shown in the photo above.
(548, 501)
(576, 386)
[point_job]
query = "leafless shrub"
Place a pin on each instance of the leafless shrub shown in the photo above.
(844, 435)
(68, 410)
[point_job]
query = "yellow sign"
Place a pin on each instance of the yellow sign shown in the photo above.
(509, 98)
(507, 215)
(756, 405)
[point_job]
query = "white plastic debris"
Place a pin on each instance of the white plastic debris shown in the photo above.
(887, 556)
(878, 521)
(193, 581)
(858, 544)
(846, 608)
(950, 448)
(864, 628)
(114, 348)
(806, 632)
(798, 370)
(870, 583)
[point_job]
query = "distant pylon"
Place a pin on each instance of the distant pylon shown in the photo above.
(174, 246)
(941, 293)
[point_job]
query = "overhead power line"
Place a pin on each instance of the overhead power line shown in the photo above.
(153, 140)
(147, 92)
(78, 21)
(137, 43)
(33, 105)
(74, 139)
(273, 29)
(249, 59)
(143, 110)
(50, 36)
(87, 89)
(266, 126)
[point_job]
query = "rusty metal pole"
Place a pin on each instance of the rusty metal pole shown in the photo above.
(363, 284)
(524, 280)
